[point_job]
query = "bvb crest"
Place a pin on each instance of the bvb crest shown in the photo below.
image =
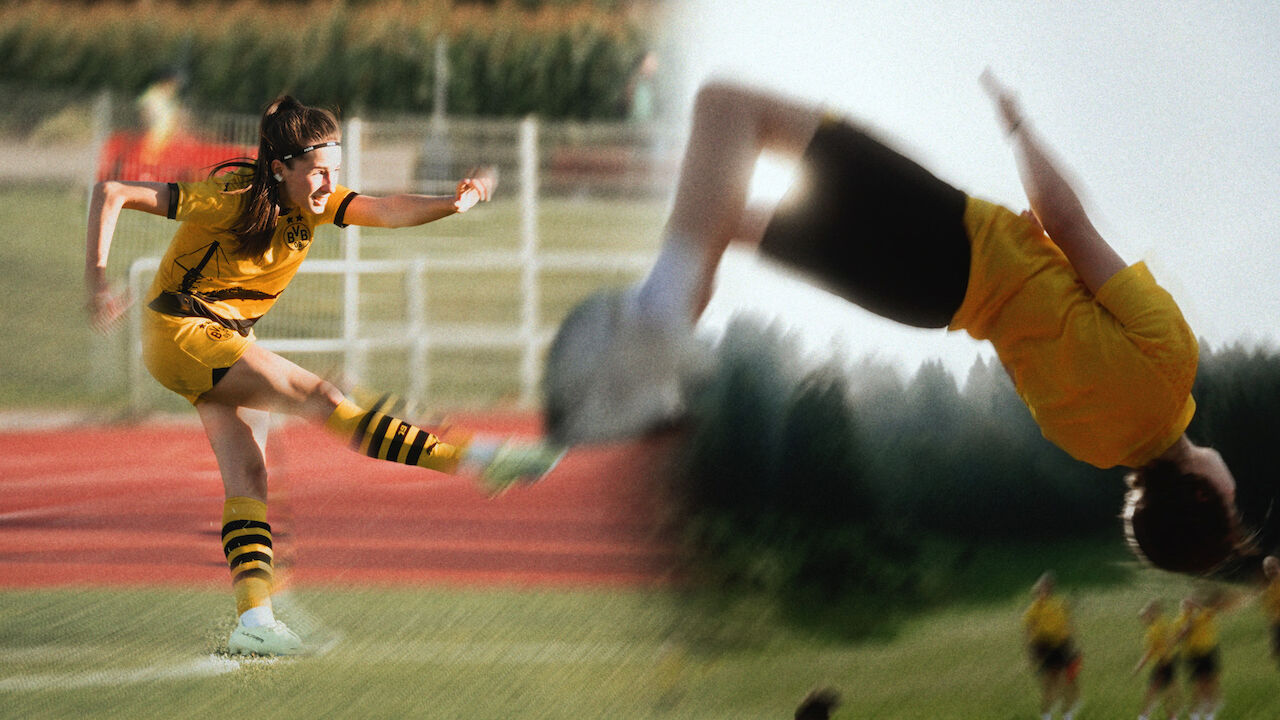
(297, 235)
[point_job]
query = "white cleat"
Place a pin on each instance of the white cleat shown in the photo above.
(273, 639)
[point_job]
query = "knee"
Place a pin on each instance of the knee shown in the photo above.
(320, 399)
(717, 98)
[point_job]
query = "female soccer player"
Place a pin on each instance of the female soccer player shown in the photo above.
(1099, 352)
(1162, 653)
(1047, 623)
(244, 233)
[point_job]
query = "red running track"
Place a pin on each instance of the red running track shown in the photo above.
(141, 505)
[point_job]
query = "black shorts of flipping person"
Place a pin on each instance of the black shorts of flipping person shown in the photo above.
(1053, 657)
(1203, 666)
(1162, 675)
(875, 228)
(1275, 640)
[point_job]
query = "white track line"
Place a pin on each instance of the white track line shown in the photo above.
(209, 666)
(499, 653)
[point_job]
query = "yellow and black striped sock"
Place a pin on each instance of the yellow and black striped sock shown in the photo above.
(246, 541)
(378, 434)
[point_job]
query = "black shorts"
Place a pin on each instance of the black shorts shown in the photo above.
(1203, 667)
(1053, 658)
(1162, 675)
(1275, 640)
(875, 228)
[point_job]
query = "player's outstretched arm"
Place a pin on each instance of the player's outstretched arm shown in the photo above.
(110, 197)
(1054, 202)
(407, 210)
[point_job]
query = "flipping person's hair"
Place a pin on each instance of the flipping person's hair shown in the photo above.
(1178, 521)
(287, 127)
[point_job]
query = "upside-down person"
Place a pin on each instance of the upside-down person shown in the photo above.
(242, 236)
(1099, 353)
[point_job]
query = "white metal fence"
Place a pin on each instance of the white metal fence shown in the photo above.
(599, 189)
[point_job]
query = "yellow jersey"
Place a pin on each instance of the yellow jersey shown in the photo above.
(1108, 377)
(1159, 641)
(1047, 621)
(1201, 631)
(201, 260)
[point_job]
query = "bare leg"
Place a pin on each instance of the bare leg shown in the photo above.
(731, 126)
(262, 380)
(238, 436)
(1070, 694)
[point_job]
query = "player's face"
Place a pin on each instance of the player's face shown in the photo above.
(309, 183)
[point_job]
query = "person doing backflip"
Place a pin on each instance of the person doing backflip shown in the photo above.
(1099, 353)
(242, 236)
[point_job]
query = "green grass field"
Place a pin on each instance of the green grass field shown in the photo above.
(476, 653)
(438, 653)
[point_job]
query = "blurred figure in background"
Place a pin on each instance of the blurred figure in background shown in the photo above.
(1197, 634)
(162, 116)
(1161, 652)
(1053, 654)
(1271, 601)
(818, 704)
(642, 89)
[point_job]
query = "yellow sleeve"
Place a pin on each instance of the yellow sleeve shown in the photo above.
(213, 203)
(1146, 310)
(336, 206)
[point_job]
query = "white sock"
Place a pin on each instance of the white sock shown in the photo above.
(667, 293)
(259, 616)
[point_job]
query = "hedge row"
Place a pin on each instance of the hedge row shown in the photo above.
(559, 60)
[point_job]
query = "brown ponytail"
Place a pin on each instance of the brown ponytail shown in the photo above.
(287, 126)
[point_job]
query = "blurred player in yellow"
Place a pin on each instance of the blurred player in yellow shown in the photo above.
(1271, 601)
(1047, 625)
(242, 236)
(1197, 633)
(1161, 652)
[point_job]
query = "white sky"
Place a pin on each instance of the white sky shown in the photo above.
(1166, 113)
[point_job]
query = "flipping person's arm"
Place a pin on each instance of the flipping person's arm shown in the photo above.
(1052, 199)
